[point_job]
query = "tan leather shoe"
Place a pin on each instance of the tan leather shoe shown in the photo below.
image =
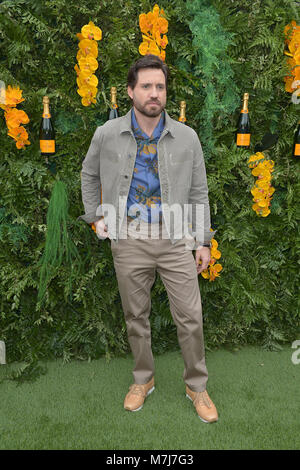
(205, 408)
(135, 398)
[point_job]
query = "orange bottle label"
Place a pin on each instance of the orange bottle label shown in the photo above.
(47, 146)
(297, 150)
(45, 115)
(243, 139)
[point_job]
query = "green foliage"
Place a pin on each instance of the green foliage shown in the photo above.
(217, 50)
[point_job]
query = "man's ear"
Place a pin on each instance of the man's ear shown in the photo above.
(129, 91)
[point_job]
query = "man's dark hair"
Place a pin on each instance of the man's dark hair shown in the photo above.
(147, 61)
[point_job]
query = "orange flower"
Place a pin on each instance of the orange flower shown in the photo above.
(14, 117)
(153, 25)
(164, 41)
(295, 42)
(214, 271)
(20, 144)
(296, 74)
(18, 133)
(153, 48)
(288, 84)
(145, 24)
(143, 48)
(12, 97)
(162, 25)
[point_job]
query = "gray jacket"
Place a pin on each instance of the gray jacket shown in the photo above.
(110, 162)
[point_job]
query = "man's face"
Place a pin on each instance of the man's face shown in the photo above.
(149, 94)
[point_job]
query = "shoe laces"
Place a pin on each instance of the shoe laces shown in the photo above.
(137, 389)
(202, 399)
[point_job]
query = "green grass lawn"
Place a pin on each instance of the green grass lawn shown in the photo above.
(79, 405)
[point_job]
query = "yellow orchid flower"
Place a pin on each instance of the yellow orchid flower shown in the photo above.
(88, 63)
(216, 254)
(212, 272)
(265, 212)
(90, 80)
(90, 31)
(87, 47)
(88, 100)
(254, 159)
(263, 203)
(263, 183)
(205, 274)
(87, 91)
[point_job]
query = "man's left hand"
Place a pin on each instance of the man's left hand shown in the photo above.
(202, 254)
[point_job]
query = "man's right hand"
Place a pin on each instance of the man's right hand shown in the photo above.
(101, 229)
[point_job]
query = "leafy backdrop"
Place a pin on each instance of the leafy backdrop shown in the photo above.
(217, 50)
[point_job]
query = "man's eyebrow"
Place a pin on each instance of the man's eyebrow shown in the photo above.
(150, 83)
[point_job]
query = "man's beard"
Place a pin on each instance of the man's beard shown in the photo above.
(146, 110)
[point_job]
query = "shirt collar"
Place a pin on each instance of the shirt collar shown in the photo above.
(141, 134)
(125, 123)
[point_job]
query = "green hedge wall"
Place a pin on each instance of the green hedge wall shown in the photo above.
(217, 50)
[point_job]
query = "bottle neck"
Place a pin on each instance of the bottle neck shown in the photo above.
(113, 102)
(182, 117)
(46, 112)
(245, 106)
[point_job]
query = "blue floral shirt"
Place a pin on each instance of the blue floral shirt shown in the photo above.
(144, 198)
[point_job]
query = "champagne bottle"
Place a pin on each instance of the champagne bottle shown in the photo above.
(113, 111)
(182, 117)
(243, 128)
(47, 135)
(296, 152)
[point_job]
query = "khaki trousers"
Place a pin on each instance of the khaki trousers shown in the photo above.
(136, 260)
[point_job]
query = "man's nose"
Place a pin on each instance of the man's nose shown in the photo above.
(154, 92)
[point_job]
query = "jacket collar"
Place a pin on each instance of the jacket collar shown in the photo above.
(125, 124)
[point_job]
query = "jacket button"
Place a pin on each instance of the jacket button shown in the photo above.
(125, 176)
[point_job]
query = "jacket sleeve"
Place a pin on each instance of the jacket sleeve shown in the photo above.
(90, 180)
(198, 198)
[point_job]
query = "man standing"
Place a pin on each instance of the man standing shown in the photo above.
(149, 163)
